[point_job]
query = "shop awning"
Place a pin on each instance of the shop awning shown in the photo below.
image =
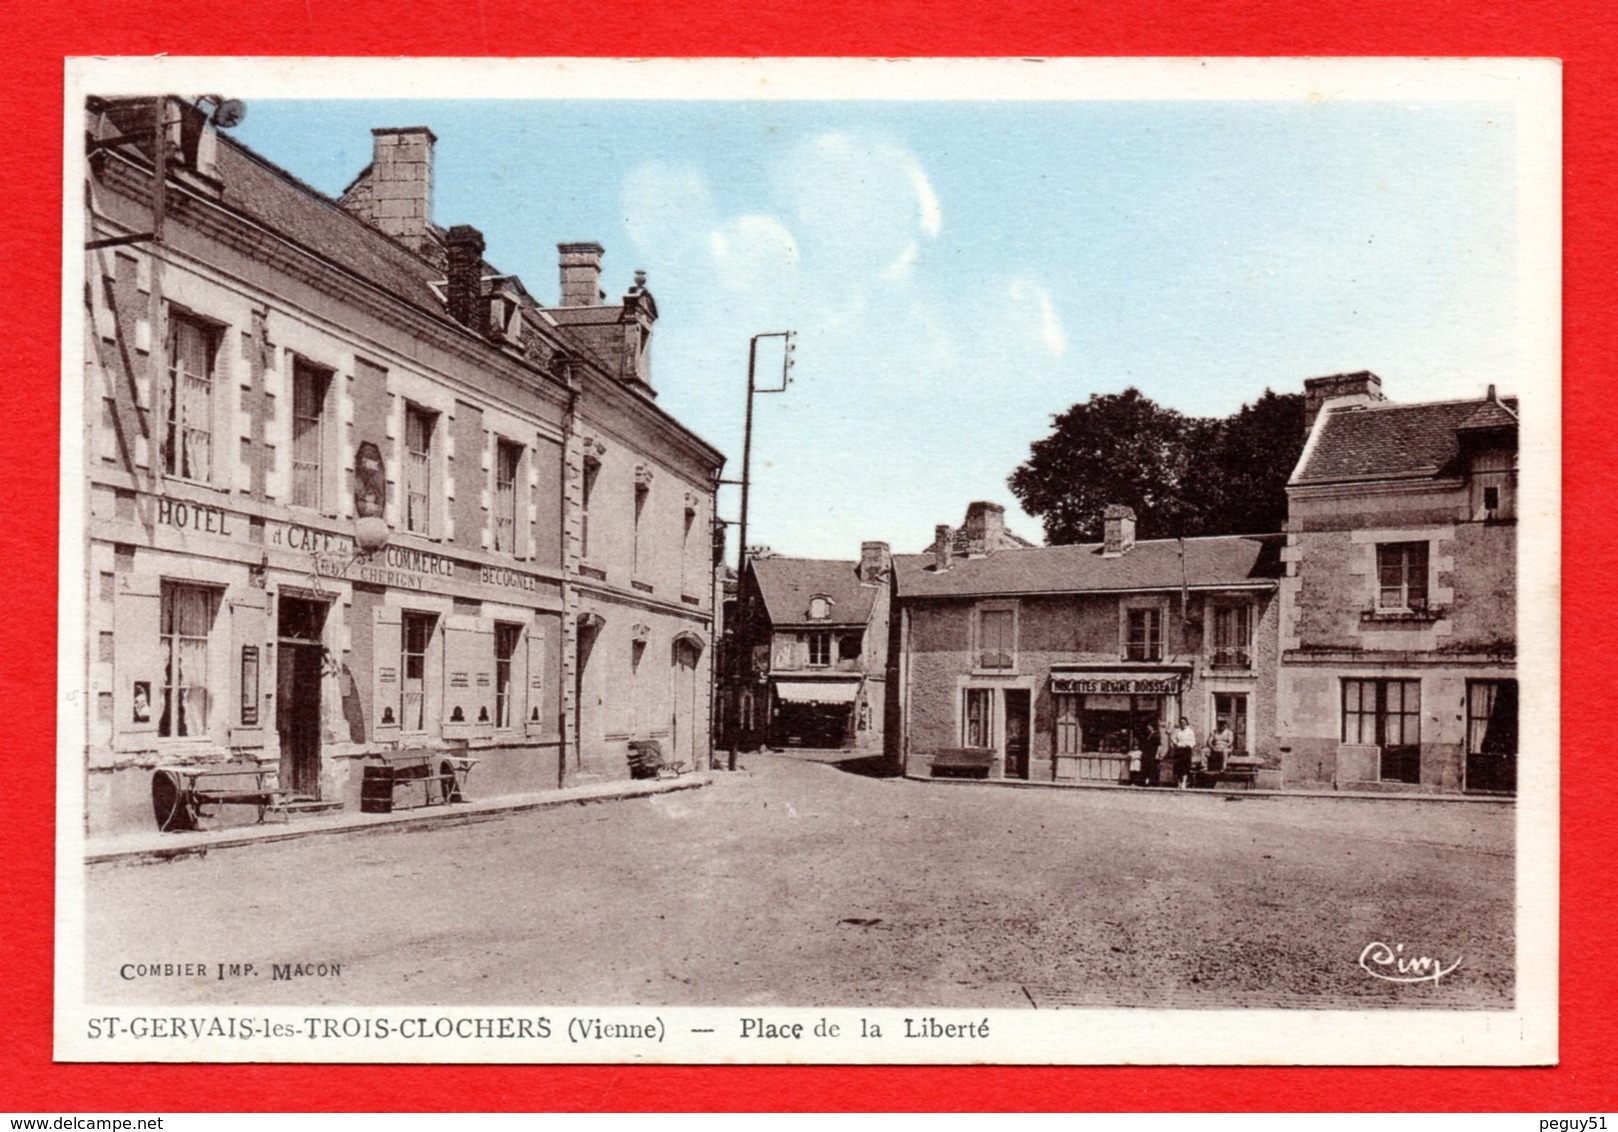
(815, 692)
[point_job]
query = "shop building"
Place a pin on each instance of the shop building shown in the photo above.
(1398, 608)
(335, 464)
(816, 631)
(1056, 662)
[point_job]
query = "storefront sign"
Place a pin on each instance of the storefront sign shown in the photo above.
(296, 537)
(502, 576)
(1115, 685)
(201, 517)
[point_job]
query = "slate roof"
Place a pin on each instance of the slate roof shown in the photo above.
(1222, 560)
(1386, 440)
(283, 204)
(787, 584)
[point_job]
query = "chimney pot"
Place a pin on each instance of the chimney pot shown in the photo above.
(581, 274)
(1118, 533)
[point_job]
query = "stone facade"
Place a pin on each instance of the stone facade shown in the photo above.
(246, 380)
(1398, 609)
(816, 635)
(1055, 661)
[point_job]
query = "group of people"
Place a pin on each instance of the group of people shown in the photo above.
(1169, 758)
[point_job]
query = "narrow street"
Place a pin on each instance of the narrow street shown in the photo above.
(802, 881)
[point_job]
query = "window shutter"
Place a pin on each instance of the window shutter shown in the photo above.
(531, 699)
(247, 628)
(137, 656)
(468, 678)
(387, 627)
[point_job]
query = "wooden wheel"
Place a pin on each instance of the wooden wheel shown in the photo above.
(171, 803)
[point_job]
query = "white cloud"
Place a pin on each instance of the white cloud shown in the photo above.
(752, 252)
(1025, 292)
(858, 203)
(666, 207)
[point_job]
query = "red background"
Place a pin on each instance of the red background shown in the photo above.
(43, 33)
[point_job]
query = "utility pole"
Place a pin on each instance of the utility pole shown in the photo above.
(741, 663)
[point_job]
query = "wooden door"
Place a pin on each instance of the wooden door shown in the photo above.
(1016, 733)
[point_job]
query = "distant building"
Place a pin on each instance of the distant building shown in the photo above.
(1398, 609)
(352, 489)
(1057, 662)
(815, 633)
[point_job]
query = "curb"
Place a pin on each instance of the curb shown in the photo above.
(202, 843)
(1213, 792)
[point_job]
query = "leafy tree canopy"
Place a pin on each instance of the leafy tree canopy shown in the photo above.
(1182, 475)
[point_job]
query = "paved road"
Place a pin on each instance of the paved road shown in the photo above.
(800, 883)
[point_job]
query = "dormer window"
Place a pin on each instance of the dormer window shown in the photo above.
(505, 318)
(820, 608)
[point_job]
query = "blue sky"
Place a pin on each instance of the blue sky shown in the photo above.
(958, 272)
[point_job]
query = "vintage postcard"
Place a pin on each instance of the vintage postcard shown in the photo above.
(1032, 561)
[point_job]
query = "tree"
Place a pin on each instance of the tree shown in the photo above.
(1182, 475)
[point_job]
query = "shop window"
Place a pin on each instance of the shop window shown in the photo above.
(1232, 639)
(977, 718)
(1143, 634)
(507, 463)
(996, 638)
(419, 427)
(1401, 572)
(506, 638)
(819, 649)
(193, 348)
(187, 614)
(1231, 708)
(310, 385)
(1386, 714)
(416, 636)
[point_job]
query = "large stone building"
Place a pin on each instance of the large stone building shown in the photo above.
(351, 489)
(816, 635)
(1398, 609)
(1056, 662)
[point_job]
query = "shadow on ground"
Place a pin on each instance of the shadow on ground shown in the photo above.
(850, 762)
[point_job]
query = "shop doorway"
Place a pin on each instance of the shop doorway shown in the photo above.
(1491, 735)
(1016, 732)
(300, 666)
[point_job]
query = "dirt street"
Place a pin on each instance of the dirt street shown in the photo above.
(804, 883)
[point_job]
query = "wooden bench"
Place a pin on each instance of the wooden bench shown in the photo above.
(182, 794)
(402, 780)
(962, 762)
(1236, 772)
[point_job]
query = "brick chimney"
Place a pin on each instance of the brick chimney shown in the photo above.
(1363, 387)
(465, 290)
(581, 274)
(943, 546)
(396, 193)
(875, 557)
(1118, 530)
(985, 527)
